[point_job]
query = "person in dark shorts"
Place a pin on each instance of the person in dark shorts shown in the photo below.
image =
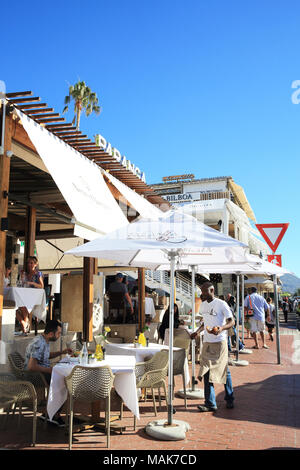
(118, 286)
(270, 320)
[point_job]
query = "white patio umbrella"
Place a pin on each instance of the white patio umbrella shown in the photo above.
(257, 266)
(151, 243)
(252, 264)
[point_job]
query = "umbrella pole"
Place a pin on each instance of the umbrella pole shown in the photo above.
(193, 325)
(243, 305)
(171, 336)
(237, 315)
(277, 318)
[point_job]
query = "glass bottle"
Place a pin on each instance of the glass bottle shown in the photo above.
(85, 356)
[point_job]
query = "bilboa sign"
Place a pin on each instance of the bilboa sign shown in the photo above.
(113, 152)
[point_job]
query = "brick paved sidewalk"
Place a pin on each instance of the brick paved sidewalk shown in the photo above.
(266, 413)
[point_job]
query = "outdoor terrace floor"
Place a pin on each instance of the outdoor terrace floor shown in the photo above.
(266, 413)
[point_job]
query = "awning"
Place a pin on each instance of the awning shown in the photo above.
(51, 256)
(140, 204)
(241, 196)
(79, 180)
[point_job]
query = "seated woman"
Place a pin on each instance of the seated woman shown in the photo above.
(33, 278)
(165, 322)
(7, 276)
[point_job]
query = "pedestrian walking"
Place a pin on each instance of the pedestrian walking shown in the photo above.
(285, 309)
(270, 321)
(217, 320)
(232, 335)
(257, 307)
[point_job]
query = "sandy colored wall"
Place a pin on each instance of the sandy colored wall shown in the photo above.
(72, 301)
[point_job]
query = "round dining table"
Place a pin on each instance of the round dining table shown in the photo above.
(141, 352)
(122, 367)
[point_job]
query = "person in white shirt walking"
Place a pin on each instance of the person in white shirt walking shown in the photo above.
(217, 319)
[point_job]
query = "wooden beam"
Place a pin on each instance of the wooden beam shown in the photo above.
(4, 187)
(42, 116)
(108, 166)
(77, 142)
(43, 121)
(96, 153)
(119, 197)
(20, 93)
(60, 126)
(89, 269)
(29, 106)
(66, 133)
(141, 298)
(21, 137)
(37, 111)
(55, 234)
(30, 230)
(70, 138)
(86, 146)
(24, 100)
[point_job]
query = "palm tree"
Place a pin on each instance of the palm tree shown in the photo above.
(84, 99)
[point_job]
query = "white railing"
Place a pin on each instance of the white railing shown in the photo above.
(161, 280)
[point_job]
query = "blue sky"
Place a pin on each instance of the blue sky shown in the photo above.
(186, 86)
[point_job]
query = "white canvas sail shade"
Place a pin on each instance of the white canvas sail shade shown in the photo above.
(79, 180)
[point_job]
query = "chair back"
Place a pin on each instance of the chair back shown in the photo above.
(182, 339)
(160, 360)
(16, 363)
(179, 358)
(89, 383)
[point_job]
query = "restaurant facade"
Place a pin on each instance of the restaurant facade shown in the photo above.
(58, 190)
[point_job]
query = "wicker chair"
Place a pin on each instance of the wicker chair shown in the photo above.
(41, 386)
(152, 374)
(182, 339)
(17, 392)
(89, 384)
(179, 358)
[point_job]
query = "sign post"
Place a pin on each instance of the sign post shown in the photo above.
(273, 234)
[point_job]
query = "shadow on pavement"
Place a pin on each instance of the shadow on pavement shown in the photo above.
(274, 401)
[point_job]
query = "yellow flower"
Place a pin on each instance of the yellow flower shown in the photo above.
(107, 329)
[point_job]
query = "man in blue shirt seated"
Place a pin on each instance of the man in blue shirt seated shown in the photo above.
(38, 355)
(258, 305)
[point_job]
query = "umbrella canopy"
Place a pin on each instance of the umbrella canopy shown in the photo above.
(148, 242)
(251, 265)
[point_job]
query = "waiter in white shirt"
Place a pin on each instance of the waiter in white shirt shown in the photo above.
(217, 319)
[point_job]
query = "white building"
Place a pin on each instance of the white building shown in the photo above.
(218, 202)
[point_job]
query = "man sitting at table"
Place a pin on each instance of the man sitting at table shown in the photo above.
(118, 287)
(38, 355)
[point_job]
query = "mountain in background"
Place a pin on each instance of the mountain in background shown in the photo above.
(290, 283)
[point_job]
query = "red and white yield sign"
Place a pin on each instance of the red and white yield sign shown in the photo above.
(272, 234)
(275, 259)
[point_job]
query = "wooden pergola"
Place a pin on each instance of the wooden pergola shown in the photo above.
(30, 198)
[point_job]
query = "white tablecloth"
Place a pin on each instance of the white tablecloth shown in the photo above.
(125, 382)
(149, 306)
(128, 349)
(33, 299)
